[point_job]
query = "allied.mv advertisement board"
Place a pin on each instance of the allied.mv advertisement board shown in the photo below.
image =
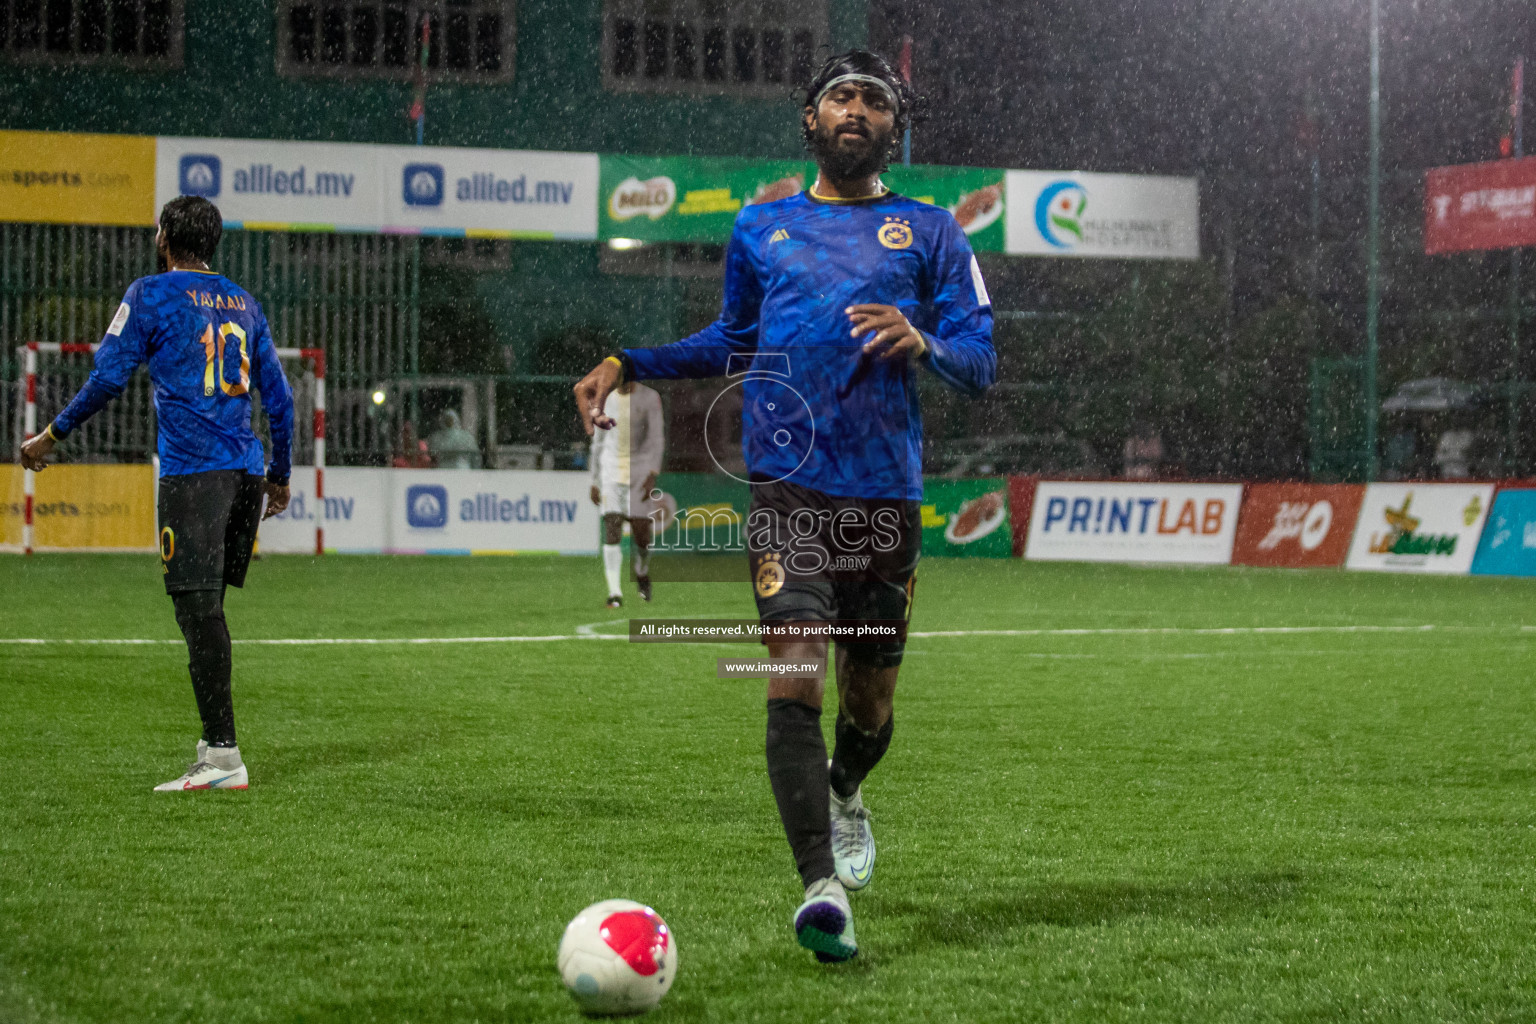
(1419, 527)
(267, 185)
(439, 511)
(1133, 522)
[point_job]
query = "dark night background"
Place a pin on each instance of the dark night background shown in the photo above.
(1238, 94)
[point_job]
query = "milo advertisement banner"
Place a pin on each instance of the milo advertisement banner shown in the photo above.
(966, 519)
(696, 199)
(689, 199)
(975, 195)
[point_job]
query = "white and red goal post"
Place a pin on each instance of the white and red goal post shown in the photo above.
(30, 352)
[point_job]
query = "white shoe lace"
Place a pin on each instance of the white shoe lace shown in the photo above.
(848, 831)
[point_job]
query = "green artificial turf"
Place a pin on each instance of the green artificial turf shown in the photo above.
(1168, 826)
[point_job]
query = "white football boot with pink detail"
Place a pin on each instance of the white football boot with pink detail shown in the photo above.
(211, 770)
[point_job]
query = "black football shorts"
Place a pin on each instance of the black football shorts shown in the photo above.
(208, 527)
(819, 558)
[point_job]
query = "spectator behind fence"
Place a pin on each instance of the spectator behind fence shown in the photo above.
(1453, 455)
(452, 446)
(1143, 452)
(412, 453)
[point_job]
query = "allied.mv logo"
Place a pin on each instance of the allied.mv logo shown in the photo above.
(423, 185)
(426, 506)
(895, 233)
(199, 174)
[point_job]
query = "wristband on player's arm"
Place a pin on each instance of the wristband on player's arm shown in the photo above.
(626, 368)
(54, 433)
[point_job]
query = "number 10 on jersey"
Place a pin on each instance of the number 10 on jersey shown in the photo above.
(213, 369)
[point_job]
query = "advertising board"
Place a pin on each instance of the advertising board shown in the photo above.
(1419, 527)
(1480, 206)
(1079, 521)
(1296, 525)
(1508, 544)
(324, 186)
(438, 511)
(68, 178)
(966, 519)
(1122, 216)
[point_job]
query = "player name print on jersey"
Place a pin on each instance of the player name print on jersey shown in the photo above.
(216, 300)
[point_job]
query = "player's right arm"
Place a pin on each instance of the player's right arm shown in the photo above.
(706, 354)
(123, 348)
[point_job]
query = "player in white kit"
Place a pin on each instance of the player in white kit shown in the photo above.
(625, 463)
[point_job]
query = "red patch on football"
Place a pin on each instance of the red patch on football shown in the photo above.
(639, 936)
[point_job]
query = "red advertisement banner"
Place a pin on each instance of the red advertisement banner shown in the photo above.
(1021, 501)
(1480, 206)
(1296, 525)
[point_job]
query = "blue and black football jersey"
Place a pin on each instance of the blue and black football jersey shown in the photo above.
(815, 410)
(206, 340)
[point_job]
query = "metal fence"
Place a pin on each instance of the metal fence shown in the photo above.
(355, 296)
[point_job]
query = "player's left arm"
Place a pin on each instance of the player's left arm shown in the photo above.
(277, 402)
(959, 348)
(123, 348)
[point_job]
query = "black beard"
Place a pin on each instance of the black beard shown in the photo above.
(162, 264)
(850, 165)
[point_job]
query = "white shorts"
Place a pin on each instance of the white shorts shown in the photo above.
(616, 502)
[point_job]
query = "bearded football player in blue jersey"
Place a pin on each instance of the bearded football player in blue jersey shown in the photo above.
(205, 339)
(837, 300)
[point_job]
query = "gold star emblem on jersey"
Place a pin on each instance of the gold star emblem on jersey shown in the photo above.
(895, 233)
(770, 576)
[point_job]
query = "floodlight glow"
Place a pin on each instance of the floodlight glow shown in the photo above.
(378, 397)
(624, 243)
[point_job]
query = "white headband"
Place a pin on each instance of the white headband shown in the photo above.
(883, 85)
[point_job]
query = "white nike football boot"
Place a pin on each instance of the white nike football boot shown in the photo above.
(824, 922)
(205, 773)
(853, 843)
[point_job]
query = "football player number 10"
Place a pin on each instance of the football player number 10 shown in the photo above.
(213, 370)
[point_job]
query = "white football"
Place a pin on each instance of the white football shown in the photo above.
(617, 956)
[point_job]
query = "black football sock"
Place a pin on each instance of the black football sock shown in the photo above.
(797, 768)
(855, 753)
(200, 614)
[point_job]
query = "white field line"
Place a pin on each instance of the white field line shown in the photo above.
(588, 632)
